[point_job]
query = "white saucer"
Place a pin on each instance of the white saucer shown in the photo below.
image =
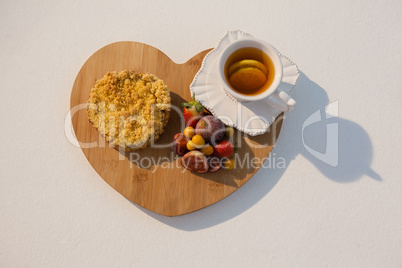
(253, 118)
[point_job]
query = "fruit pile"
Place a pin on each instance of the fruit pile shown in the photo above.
(204, 143)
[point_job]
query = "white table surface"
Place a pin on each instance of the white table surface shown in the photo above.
(55, 211)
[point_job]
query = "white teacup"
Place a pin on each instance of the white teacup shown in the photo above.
(273, 95)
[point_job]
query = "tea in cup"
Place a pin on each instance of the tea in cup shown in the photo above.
(251, 70)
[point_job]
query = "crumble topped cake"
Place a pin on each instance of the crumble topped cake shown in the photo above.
(129, 109)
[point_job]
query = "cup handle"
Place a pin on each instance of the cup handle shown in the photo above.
(281, 101)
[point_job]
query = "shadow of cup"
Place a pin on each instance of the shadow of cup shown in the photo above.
(339, 148)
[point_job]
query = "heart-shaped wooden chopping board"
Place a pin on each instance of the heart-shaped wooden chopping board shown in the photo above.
(153, 177)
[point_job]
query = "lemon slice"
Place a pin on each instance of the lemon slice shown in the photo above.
(248, 78)
(247, 64)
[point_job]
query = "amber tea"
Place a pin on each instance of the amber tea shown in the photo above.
(249, 71)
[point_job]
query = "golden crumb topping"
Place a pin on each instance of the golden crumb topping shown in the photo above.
(129, 109)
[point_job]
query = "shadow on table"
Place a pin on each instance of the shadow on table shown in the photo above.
(340, 149)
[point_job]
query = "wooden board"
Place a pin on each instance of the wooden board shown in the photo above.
(154, 178)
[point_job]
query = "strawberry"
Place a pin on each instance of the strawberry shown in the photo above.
(192, 112)
(224, 149)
